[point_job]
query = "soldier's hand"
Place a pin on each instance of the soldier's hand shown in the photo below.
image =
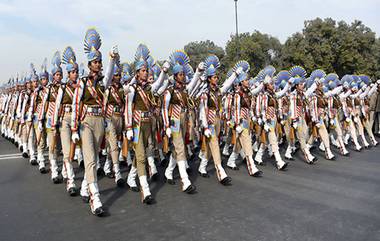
(166, 66)
(207, 133)
(348, 119)
(266, 127)
(114, 52)
(40, 126)
(239, 129)
(201, 66)
(260, 121)
(129, 134)
(168, 132)
(75, 137)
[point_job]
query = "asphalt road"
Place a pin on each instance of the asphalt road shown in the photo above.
(332, 200)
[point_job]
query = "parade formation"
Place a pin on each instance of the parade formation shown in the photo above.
(147, 114)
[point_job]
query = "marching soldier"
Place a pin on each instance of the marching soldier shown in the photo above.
(46, 119)
(62, 116)
(210, 116)
(87, 119)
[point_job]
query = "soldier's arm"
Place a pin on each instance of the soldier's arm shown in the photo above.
(165, 108)
(75, 108)
(57, 107)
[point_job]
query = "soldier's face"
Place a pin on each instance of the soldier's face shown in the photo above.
(57, 77)
(116, 78)
(150, 79)
(214, 80)
(245, 83)
(142, 74)
(95, 66)
(299, 87)
(44, 81)
(180, 77)
(73, 75)
(34, 84)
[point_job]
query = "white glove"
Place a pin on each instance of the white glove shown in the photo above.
(40, 126)
(129, 134)
(207, 133)
(168, 132)
(318, 124)
(266, 127)
(348, 120)
(332, 123)
(295, 125)
(260, 121)
(201, 66)
(239, 70)
(254, 118)
(356, 120)
(75, 137)
(166, 66)
(114, 51)
(282, 122)
(239, 129)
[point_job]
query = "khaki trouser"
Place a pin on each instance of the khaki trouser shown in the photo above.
(65, 133)
(368, 127)
(178, 138)
(92, 132)
(42, 136)
(24, 133)
(52, 144)
(244, 141)
(213, 144)
(141, 146)
(113, 132)
(272, 138)
(31, 140)
(302, 132)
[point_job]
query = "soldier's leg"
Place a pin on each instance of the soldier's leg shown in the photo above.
(272, 137)
(244, 138)
(140, 156)
(360, 129)
(179, 154)
(213, 147)
(368, 127)
(65, 133)
(51, 134)
(300, 133)
(339, 138)
(354, 136)
(41, 137)
(91, 136)
(322, 131)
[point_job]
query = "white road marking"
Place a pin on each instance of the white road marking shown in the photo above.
(10, 156)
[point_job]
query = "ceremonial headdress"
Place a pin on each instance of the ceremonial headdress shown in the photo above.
(56, 63)
(92, 43)
(69, 59)
(141, 57)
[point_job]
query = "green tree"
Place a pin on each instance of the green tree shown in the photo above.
(256, 48)
(198, 51)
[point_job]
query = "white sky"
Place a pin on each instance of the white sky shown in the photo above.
(34, 29)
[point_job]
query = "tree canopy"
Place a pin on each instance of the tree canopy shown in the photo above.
(336, 47)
